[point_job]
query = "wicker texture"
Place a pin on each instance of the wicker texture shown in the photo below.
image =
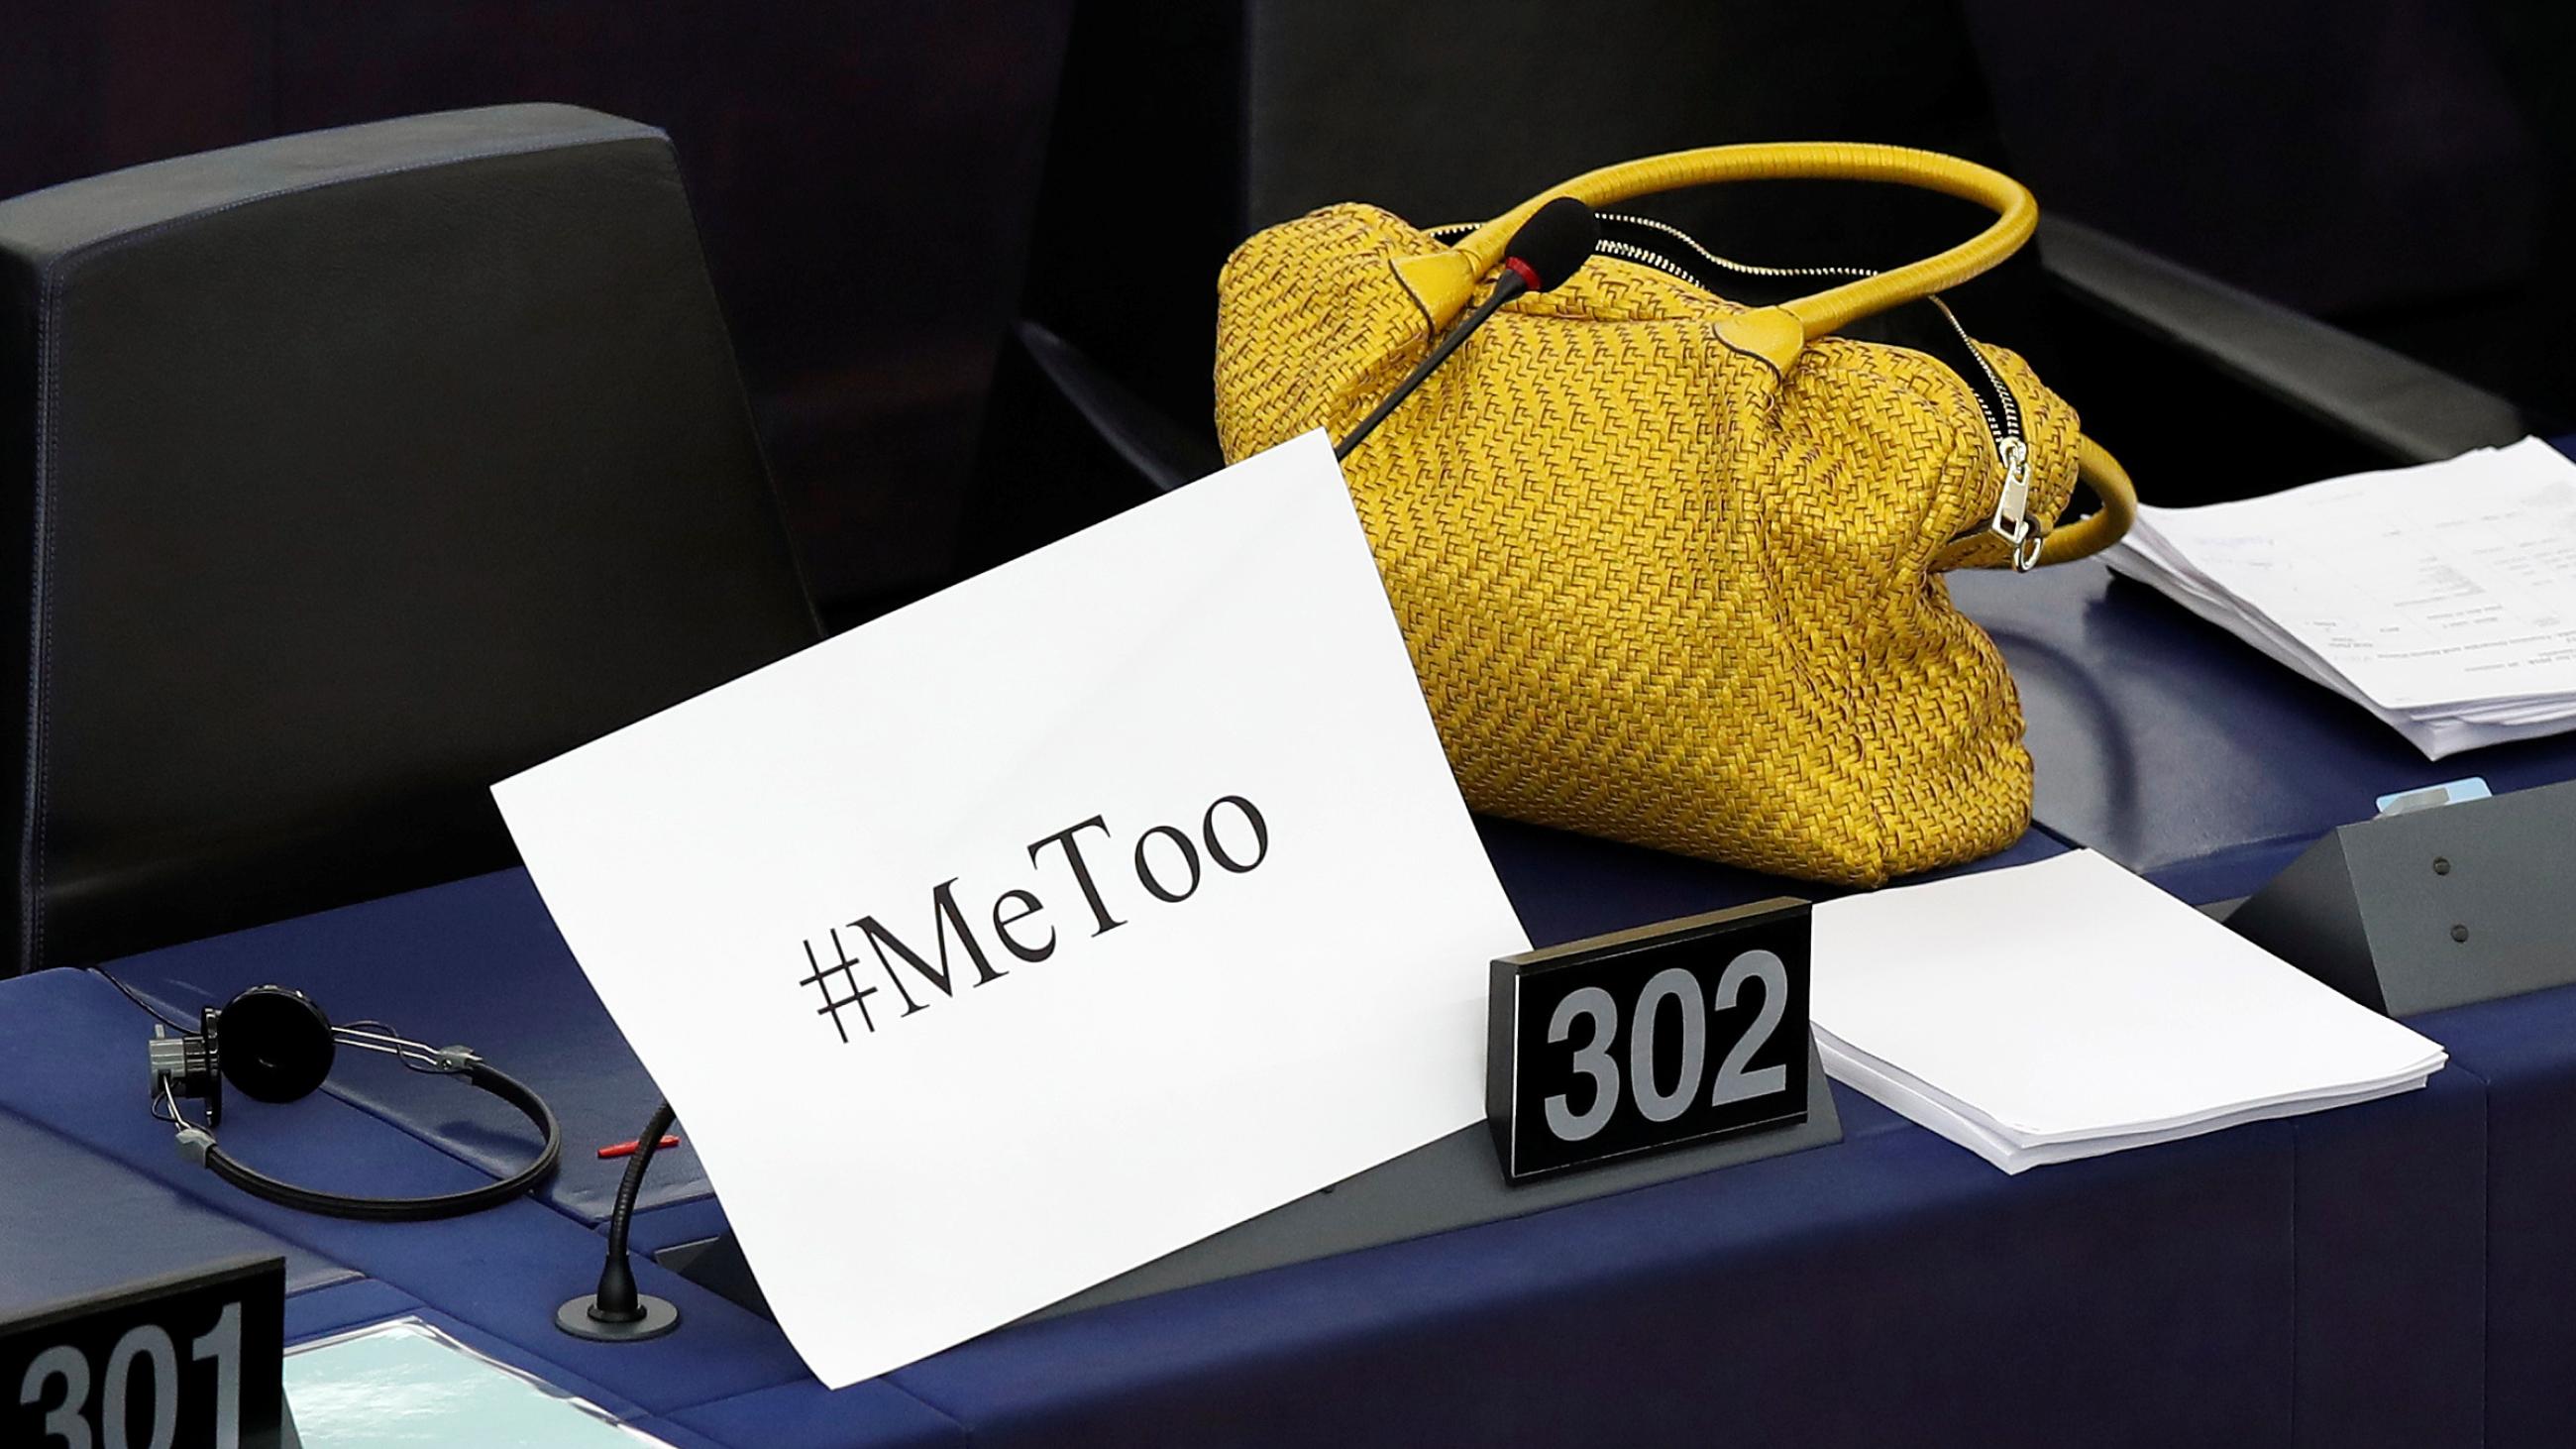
(1655, 591)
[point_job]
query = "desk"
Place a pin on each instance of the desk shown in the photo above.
(2524, 1052)
(2204, 1292)
(1890, 1249)
(2388, 1274)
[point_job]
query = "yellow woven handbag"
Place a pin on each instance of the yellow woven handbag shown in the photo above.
(1670, 565)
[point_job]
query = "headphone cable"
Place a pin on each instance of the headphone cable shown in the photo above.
(148, 1008)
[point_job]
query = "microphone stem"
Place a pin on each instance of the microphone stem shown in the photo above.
(617, 1297)
(1509, 286)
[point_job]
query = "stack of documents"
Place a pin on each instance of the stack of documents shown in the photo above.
(2440, 598)
(2067, 1008)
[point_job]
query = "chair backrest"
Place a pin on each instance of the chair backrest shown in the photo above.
(352, 472)
(1182, 129)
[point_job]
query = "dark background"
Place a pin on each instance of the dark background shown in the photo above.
(869, 176)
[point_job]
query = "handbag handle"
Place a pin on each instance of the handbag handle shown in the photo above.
(1442, 281)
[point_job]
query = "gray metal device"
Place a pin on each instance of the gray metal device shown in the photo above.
(2430, 908)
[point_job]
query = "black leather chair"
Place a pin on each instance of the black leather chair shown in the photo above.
(352, 472)
(1180, 130)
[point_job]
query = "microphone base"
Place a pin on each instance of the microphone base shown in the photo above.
(661, 1316)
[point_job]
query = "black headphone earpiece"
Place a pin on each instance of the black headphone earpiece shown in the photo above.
(271, 1043)
(275, 1045)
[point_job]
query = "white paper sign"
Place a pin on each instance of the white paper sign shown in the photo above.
(1046, 926)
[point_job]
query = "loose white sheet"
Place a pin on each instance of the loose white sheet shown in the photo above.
(910, 1163)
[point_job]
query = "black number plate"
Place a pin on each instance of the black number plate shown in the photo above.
(191, 1361)
(1649, 1039)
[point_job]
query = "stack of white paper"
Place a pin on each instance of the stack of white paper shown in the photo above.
(2440, 598)
(2067, 1008)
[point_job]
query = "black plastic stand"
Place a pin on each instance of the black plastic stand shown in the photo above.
(1451, 1183)
(655, 1317)
(2431, 908)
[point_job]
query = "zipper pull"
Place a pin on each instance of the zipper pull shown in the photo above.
(2011, 522)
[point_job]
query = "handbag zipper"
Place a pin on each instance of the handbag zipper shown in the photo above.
(1995, 402)
(2012, 504)
(1747, 268)
(2003, 414)
(1630, 252)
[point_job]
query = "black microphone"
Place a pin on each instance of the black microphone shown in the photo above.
(616, 1313)
(1550, 247)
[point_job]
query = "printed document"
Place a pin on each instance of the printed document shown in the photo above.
(2441, 598)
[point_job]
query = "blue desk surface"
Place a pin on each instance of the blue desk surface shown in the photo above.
(60, 1200)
